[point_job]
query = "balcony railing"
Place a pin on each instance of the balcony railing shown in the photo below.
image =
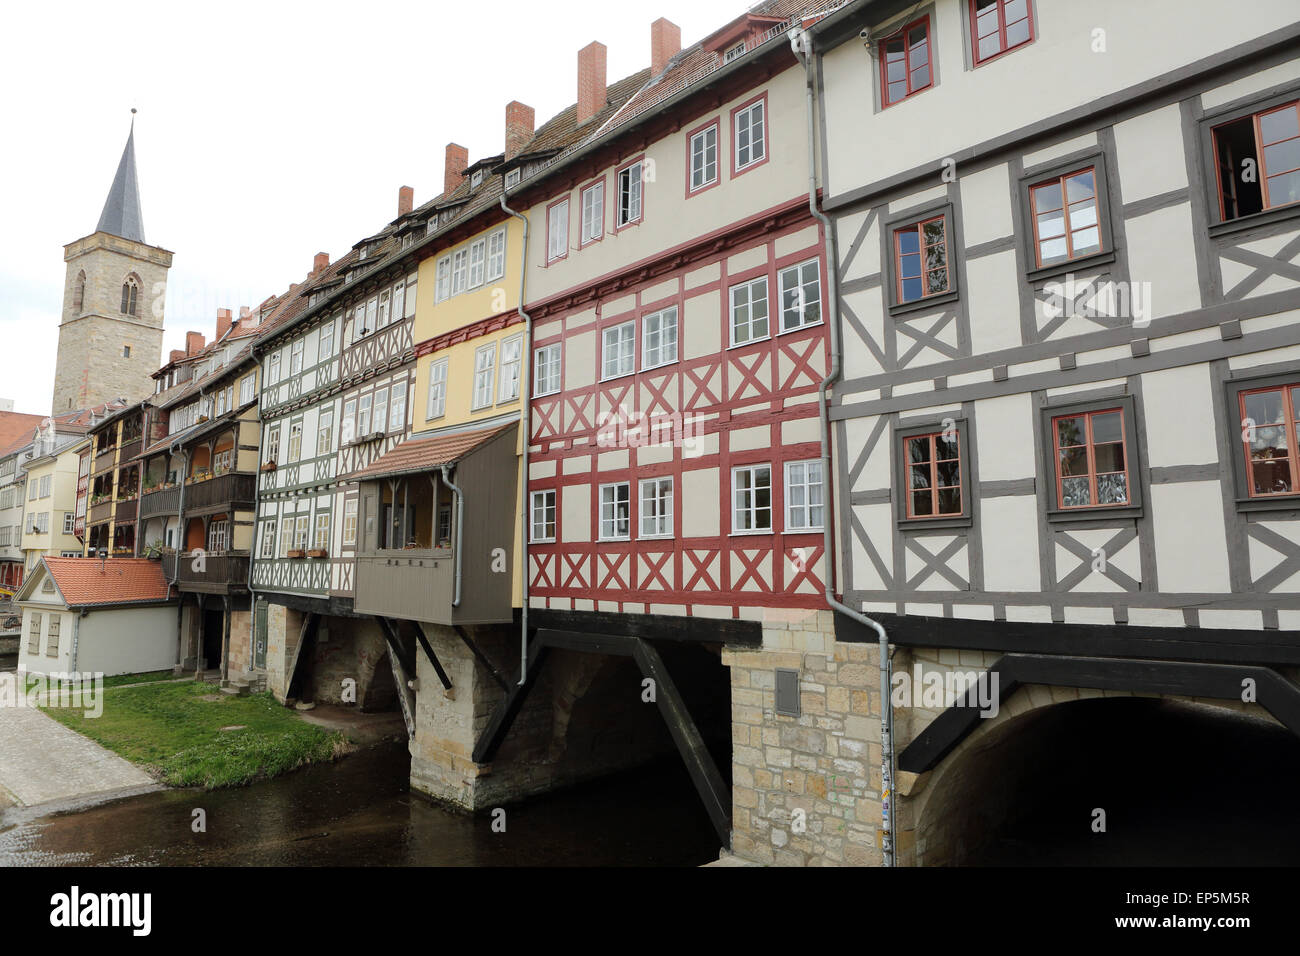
(104, 460)
(215, 573)
(233, 489)
(161, 501)
(101, 511)
(126, 510)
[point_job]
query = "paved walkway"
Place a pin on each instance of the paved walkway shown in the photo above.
(41, 761)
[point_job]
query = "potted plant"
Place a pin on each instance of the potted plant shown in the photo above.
(317, 553)
(296, 552)
(153, 551)
(268, 466)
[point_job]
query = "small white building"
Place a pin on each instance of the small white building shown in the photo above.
(84, 615)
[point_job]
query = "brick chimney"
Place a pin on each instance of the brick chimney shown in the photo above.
(665, 43)
(223, 323)
(176, 355)
(520, 120)
(320, 263)
(454, 170)
(591, 81)
(405, 200)
(193, 343)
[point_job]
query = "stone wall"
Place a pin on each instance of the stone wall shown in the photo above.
(352, 649)
(825, 762)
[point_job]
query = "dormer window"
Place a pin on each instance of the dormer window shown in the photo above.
(735, 51)
(476, 180)
(512, 177)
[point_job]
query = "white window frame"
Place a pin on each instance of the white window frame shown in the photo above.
(218, 536)
(512, 368)
(459, 271)
(385, 309)
(801, 284)
(798, 517)
(609, 527)
(442, 286)
(661, 511)
(538, 500)
(247, 389)
(363, 414)
(436, 405)
(295, 441)
(273, 443)
(301, 528)
(748, 287)
(664, 322)
(296, 351)
(477, 263)
(320, 535)
(348, 424)
(546, 370)
(557, 238)
(634, 186)
(746, 117)
(350, 523)
(496, 255)
(273, 368)
(485, 362)
(397, 408)
(379, 411)
(703, 156)
(753, 509)
(624, 340)
(268, 538)
(69, 522)
(324, 431)
(593, 212)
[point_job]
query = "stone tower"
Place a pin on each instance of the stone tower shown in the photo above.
(110, 338)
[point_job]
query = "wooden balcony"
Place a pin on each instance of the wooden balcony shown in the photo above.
(413, 585)
(225, 573)
(104, 461)
(100, 512)
(161, 502)
(227, 492)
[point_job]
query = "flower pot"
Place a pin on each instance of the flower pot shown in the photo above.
(295, 553)
(268, 466)
(318, 553)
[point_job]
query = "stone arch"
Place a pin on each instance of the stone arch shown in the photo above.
(79, 293)
(131, 286)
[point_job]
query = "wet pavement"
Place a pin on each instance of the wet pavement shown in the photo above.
(359, 811)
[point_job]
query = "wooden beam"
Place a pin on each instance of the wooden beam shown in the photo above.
(499, 725)
(650, 626)
(482, 658)
(433, 658)
(404, 693)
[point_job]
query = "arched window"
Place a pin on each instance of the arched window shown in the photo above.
(79, 293)
(130, 290)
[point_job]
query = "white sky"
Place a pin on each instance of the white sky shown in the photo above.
(267, 132)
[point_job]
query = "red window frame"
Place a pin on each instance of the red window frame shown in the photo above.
(919, 229)
(905, 33)
(1065, 208)
(1001, 8)
(934, 487)
(1288, 423)
(1257, 126)
(1090, 446)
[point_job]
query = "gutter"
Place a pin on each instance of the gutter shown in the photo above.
(802, 45)
(460, 527)
(525, 421)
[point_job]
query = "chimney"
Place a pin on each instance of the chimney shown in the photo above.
(177, 355)
(519, 127)
(193, 343)
(454, 170)
(320, 263)
(665, 43)
(591, 81)
(405, 200)
(223, 323)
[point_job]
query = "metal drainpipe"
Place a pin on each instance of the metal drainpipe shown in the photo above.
(460, 527)
(801, 44)
(525, 421)
(180, 530)
(252, 548)
(76, 638)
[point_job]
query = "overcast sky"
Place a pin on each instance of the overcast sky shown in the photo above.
(267, 132)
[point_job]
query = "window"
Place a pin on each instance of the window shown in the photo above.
(933, 464)
(629, 196)
(34, 634)
(247, 389)
(399, 301)
(79, 293)
(380, 417)
(513, 177)
(803, 496)
(921, 260)
(751, 499)
(31, 489)
(659, 338)
(397, 411)
(484, 369)
(1065, 217)
(268, 538)
(735, 51)
(372, 315)
(1268, 415)
(437, 405)
(385, 309)
(704, 158)
(273, 443)
(750, 136)
(217, 536)
(320, 539)
(546, 370)
(126, 351)
(443, 284)
(618, 355)
(477, 263)
(656, 508)
(324, 431)
(130, 293)
(511, 368)
(801, 296)
(69, 522)
(273, 369)
(615, 512)
(543, 516)
(300, 533)
(286, 537)
(476, 179)
(295, 441)
(1091, 468)
(459, 271)
(593, 212)
(999, 25)
(295, 356)
(363, 416)
(496, 255)
(350, 523)
(749, 311)
(1257, 157)
(348, 429)
(557, 231)
(47, 482)
(52, 637)
(905, 62)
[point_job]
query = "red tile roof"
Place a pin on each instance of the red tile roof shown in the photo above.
(15, 426)
(84, 583)
(425, 454)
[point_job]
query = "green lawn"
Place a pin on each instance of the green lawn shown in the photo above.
(172, 730)
(144, 678)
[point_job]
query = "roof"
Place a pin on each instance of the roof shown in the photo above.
(16, 430)
(88, 582)
(121, 215)
(425, 454)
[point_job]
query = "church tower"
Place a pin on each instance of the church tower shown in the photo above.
(110, 339)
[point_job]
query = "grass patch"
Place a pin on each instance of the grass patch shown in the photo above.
(174, 732)
(117, 680)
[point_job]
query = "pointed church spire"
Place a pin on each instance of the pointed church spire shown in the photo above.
(121, 215)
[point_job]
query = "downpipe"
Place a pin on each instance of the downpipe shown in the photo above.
(460, 528)
(801, 45)
(525, 423)
(180, 534)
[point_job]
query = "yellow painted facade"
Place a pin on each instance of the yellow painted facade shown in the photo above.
(61, 470)
(496, 301)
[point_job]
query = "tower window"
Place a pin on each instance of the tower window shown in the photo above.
(130, 291)
(79, 294)
(126, 351)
